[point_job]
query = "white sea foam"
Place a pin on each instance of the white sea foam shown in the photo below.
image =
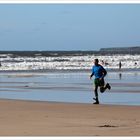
(68, 62)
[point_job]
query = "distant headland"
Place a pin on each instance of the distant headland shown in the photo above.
(121, 50)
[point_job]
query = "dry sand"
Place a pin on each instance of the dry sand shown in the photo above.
(30, 118)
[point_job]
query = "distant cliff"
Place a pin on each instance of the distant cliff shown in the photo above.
(123, 50)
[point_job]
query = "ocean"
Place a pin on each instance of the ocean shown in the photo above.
(64, 77)
(69, 86)
(65, 60)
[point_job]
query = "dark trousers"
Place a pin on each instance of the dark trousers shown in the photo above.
(101, 84)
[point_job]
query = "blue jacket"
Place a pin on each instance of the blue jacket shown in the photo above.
(98, 71)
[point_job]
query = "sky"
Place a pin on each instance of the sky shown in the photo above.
(68, 26)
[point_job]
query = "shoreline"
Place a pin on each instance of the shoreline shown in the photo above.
(69, 70)
(63, 102)
(37, 118)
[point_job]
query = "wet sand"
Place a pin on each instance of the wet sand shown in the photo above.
(32, 118)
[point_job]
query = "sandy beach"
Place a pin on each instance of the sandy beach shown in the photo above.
(32, 118)
(60, 104)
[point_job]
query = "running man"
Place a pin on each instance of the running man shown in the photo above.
(99, 72)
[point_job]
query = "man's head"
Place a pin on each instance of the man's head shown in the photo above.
(96, 61)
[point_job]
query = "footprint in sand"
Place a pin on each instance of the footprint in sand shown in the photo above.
(106, 125)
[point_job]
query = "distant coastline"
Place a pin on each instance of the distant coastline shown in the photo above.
(104, 51)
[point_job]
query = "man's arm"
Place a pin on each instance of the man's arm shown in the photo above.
(104, 72)
(91, 75)
(92, 72)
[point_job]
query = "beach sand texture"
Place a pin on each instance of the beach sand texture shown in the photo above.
(31, 118)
